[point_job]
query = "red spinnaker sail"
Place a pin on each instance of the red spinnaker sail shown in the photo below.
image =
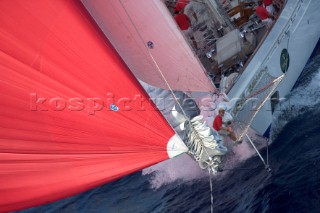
(72, 116)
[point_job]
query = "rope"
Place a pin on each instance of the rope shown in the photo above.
(209, 169)
(255, 148)
(264, 88)
(266, 164)
(275, 84)
(168, 85)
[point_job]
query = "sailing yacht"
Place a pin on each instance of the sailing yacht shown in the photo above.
(75, 112)
(239, 62)
(239, 54)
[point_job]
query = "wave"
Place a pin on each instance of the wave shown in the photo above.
(303, 98)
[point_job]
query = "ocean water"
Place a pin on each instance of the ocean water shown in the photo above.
(178, 185)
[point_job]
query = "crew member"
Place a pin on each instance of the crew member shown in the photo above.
(184, 24)
(181, 4)
(263, 14)
(269, 6)
(223, 129)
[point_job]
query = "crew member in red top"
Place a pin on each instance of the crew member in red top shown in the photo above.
(263, 14)
(267, 2)
(269, 6)
(184, 24)
(182, 20)
(181, 4)
(221, 128)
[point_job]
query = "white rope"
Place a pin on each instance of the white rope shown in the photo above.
(211, 188)
(275, 84)
(166, 82)
(184, 113)
(255, 148)
(266, 164)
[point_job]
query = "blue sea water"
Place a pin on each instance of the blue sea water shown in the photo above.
(179, 186)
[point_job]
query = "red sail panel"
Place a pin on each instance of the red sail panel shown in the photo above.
(72, 115)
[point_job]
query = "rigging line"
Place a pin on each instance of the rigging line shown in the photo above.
(166, 82)
(267, 166)
(184, 113)
(255, 148)
(277, 81)
(211, 188)
(262, 89)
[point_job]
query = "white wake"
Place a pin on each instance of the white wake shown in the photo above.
(303, 98)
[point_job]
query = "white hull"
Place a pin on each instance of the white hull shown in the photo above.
(297, 30)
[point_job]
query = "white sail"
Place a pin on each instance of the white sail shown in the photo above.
(130, 26)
